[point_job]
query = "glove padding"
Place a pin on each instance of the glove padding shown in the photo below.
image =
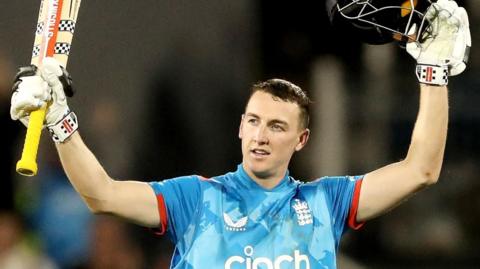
(449, 41)
(35, 87)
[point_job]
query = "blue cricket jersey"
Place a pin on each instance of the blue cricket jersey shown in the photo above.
(231, 222)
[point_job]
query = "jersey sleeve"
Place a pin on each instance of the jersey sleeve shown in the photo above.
(342, 195)
(177, 199)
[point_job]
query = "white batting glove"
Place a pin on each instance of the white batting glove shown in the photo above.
(49, 85)
(30, 93)
(445, 51)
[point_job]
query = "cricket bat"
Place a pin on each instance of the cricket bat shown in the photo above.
(53, 38)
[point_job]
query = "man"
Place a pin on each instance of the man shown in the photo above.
(258, 216)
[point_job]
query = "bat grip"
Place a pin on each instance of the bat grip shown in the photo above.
(27, 165)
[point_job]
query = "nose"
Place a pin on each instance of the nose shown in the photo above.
(261, 136)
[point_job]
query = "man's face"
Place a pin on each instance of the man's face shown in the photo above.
(270, 132)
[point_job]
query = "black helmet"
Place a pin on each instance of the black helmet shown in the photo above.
(380, 21)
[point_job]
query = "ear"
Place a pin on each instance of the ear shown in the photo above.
(240, 132)
(303, 139)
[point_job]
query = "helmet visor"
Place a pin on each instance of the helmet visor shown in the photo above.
(388, 18)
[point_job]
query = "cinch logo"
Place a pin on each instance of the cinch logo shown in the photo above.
(287, 261)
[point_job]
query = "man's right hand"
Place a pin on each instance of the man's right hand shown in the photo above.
(49, 85)
(30, 92)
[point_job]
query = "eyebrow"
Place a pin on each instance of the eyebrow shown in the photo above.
(250, 114)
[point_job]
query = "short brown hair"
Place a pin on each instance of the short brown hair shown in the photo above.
(287, 92)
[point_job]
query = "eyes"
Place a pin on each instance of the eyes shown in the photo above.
(277, 127)
(253, 121)
(274, 125)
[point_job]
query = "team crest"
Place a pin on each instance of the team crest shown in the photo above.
(304, 215)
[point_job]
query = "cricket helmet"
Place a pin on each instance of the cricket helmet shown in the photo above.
(380, 21)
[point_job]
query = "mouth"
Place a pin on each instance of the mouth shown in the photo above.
(259, 153)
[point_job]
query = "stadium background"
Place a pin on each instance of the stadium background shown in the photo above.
(160, 89)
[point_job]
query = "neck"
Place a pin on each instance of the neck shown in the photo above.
(266, 181)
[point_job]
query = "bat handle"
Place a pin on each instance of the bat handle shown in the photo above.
(27, 165)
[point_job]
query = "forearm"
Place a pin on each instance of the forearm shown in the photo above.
(425, 154)
(85, 172)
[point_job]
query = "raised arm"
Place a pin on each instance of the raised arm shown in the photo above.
(441, 54)
(132, 200)
(384, 188)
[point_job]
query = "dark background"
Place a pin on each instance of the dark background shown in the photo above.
(160, 89)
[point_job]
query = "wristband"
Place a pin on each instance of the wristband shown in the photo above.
(64, 128)
(432, 74)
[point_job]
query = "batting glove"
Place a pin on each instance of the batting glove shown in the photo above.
(445, 49)
(49, 85)
(30, 92)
